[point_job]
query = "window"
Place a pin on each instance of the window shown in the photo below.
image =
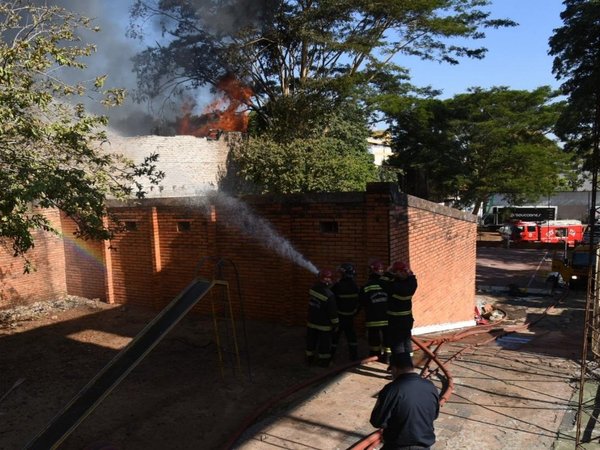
(130, 225)
(328, 226)
(184, 226)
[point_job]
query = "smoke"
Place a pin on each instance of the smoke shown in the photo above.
(113, 57)
(115, 52)
(252, 225)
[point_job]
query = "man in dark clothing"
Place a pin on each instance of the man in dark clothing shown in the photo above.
(406, 408)
(322, 319)
(346, 298)
(400, 319)
(373, 298)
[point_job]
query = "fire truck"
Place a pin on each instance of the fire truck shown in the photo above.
(569, 232)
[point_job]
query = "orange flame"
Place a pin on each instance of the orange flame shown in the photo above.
(226, 113)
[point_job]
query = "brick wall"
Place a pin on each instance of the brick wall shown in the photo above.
(46, 281)
(442, 252)
(267, 249)
(190, 164)
(326, 229)
(84, 263)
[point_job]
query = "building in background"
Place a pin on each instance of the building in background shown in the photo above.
(380, 146)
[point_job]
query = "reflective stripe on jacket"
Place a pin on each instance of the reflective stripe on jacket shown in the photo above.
(322, 310)
(346, 296)
(374, 298)
(400, 294)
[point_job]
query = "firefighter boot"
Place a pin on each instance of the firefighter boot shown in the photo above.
(353, 352)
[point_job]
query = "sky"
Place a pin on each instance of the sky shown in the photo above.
(517, 57)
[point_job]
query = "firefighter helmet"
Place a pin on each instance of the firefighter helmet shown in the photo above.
(347, 270)
(399, 268)
(377, 267)
(326, 276)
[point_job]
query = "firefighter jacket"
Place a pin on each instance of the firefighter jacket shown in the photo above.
(400, 293)
(322, 309)
(346, 297)
(373, 298)
(386, 280)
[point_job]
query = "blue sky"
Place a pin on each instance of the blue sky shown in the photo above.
(517, 57)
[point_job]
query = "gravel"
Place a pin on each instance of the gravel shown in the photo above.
(10, 318)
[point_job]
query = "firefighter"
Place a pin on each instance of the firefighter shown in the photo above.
(322, 319)
(346, 298)
(399, 312)
(373, 298)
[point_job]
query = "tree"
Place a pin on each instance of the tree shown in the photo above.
(304, 62)
(300, 49)
(576, 48)
(50, 155)
(333, 156)
(477, 144)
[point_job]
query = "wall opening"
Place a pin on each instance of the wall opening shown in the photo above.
(329, 226)
(184, 226)
(130, 225)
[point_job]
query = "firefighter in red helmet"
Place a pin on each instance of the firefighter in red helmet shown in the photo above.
(399, 312)
(346, 298)
(373, 298)
(322, 319)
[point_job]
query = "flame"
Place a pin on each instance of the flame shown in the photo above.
(226, 113)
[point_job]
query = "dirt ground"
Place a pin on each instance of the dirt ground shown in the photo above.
(182, 396)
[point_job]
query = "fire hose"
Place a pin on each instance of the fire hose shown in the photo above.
(372, 440)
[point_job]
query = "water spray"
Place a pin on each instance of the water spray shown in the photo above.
(257, 227)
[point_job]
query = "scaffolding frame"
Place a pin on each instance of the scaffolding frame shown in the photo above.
(590, 348)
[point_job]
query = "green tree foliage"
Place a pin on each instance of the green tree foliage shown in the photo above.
(477, 144)
(330, 157)
(49, 154)
(576, 48)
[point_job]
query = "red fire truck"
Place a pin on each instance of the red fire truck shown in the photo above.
(551, 231)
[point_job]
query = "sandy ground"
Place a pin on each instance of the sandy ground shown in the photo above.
(180, 396)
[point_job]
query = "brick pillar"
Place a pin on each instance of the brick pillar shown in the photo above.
(109, 274)
(156, 259)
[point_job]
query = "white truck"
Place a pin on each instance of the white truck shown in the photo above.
(499, 215)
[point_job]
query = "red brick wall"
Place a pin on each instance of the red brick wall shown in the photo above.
(84, 262)
(170, 241)
(438, 242)
(46, 281)
(133, 273)
(442, 253)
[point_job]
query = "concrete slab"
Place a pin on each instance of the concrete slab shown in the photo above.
(333, 415)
